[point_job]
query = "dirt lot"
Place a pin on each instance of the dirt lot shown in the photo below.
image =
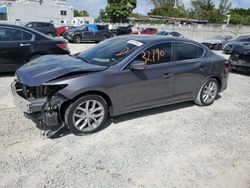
(175, 146)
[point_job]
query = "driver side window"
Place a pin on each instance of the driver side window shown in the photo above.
(157, 54)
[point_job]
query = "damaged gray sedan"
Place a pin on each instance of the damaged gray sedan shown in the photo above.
(117, 76)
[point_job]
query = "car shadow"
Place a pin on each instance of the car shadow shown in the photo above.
(244, 73)
(125, 117)
(7, 74)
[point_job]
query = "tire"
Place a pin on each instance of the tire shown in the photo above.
(35, 57)
(82, 118)
(207, 93)
(216, 47)
(77, 39)
(104, 37)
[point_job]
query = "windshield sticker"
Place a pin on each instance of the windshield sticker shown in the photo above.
(134, 42)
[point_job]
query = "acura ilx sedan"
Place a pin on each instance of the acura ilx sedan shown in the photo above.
(120, 75)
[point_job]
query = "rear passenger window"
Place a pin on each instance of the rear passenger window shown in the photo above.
(27, 36)
(160, 53)
(184, 51)
(9, 34)
(100, 27)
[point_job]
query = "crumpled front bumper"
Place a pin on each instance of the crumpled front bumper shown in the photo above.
(38, 110)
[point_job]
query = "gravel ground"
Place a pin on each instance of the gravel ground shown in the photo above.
(181, 145)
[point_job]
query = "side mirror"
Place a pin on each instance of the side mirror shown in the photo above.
(138, 65)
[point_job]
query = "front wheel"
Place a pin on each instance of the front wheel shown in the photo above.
(207, 93)
(87, 114)
(77, 39)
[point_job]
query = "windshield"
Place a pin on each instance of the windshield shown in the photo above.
(216, 37)
(110, 52)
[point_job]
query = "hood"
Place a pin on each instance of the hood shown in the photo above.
(49, 67)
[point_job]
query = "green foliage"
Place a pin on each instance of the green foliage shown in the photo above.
(240, 16)
(80, 13)
(168, 10)
(158, 3)
(118, 10)
(103, 17)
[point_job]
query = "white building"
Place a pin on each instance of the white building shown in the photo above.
(76, 21)
(56, 11)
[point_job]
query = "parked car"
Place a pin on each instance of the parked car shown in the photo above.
(120, 75)
(228, 49)
(217, 42)
(122, 30)
(88, 32)
(240, 58)
(18, 45)
(149, 31)
(43, 27)
(61, 30)
(170, 34)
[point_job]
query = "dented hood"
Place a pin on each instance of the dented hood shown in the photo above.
(49, 67)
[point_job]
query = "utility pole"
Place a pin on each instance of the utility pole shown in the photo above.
(176, 3)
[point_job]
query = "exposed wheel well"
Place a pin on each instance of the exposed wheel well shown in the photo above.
(218, 80)
(65, 105)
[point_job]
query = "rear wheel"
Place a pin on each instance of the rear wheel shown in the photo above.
(77, 39)
(87, 114)
(104, 37)
(207, 93)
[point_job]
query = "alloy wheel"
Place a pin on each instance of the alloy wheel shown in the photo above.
(88, 115)
(209, 92)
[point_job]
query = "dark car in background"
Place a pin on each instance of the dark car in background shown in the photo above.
(240, 58)
(18, 45)
(122, 30)
(43, 27)
(245, 39)
(170, 34)
(61, 30)
(120, 75)
(217, 42)
(88, 32)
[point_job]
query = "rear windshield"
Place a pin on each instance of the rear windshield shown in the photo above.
(110, 52)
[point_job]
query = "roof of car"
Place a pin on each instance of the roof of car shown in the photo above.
(22, 27)
(155, 38)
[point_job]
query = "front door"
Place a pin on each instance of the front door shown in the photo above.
(152, 86)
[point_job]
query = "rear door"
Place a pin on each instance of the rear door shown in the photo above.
(191, 67)
(152, 86)
(14, 52)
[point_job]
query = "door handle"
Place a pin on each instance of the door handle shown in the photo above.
(27, 44)
(167, 75)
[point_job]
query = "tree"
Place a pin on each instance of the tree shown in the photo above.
(168, 10)
(224, 7)
(158, 3)
(119, 10)
(103, 17)
(205, 9)
(240, 16)
(80, 13)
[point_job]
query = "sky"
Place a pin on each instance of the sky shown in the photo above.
(143, 6)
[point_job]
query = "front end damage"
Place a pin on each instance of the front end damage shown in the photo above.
(42, 104)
